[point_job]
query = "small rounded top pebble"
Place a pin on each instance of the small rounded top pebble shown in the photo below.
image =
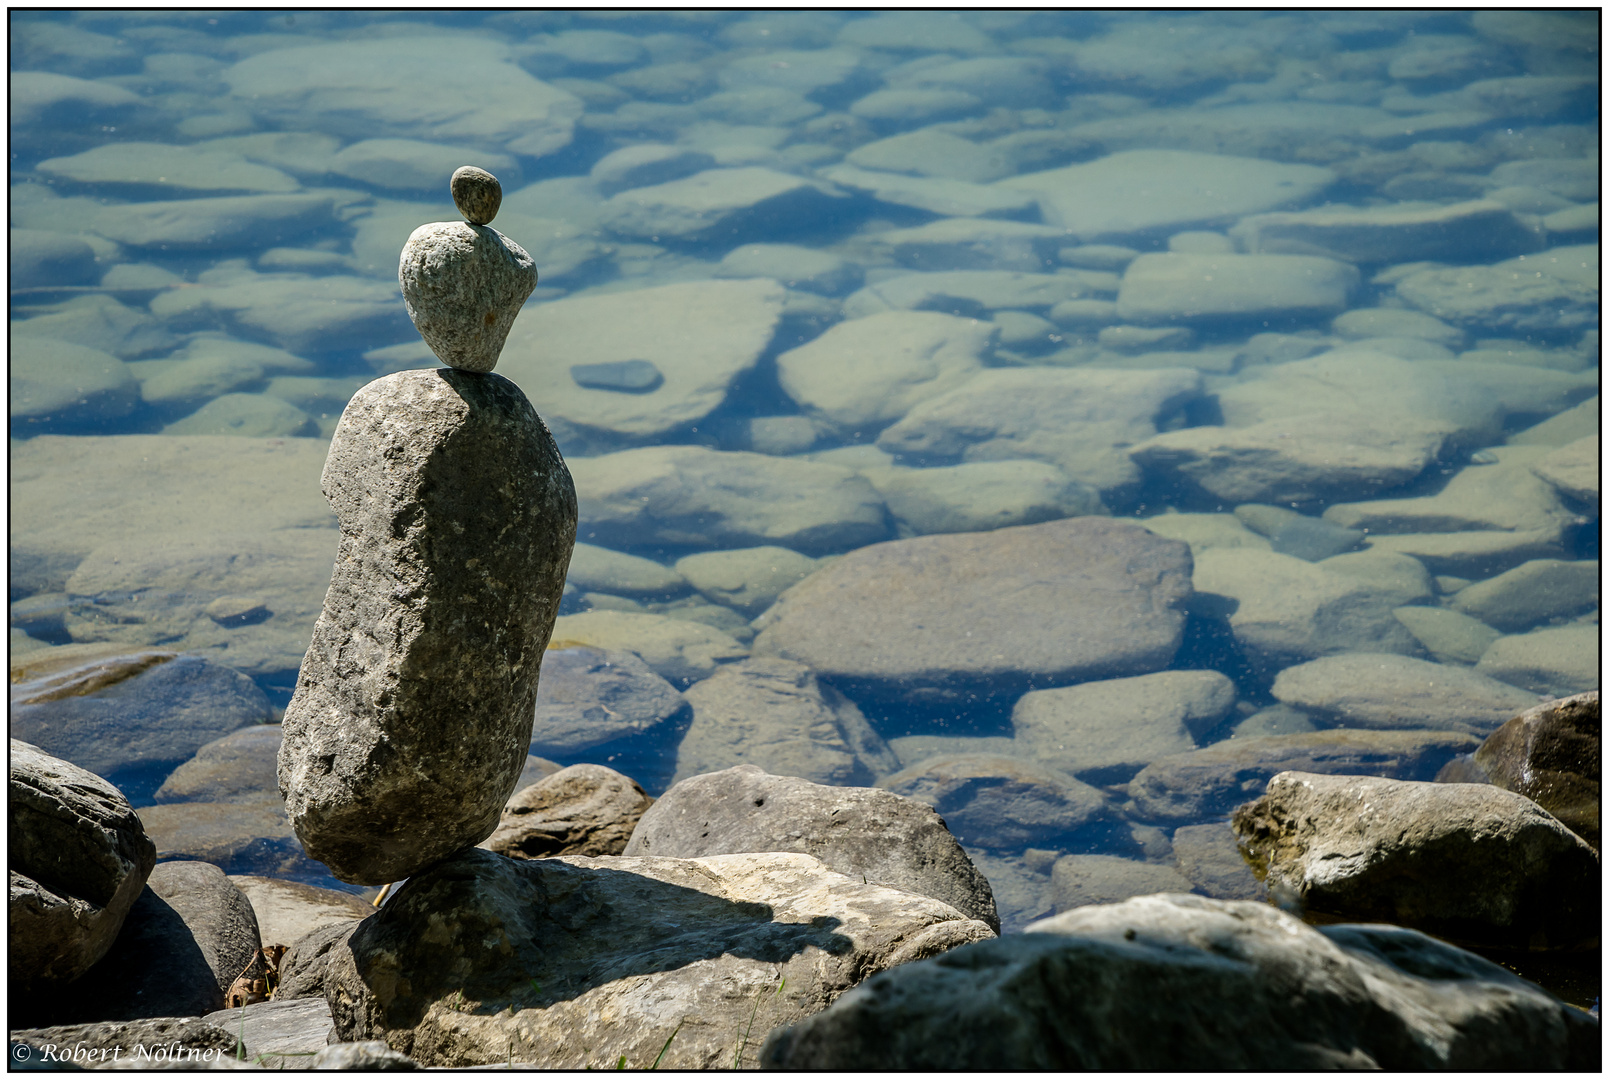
(477, 194)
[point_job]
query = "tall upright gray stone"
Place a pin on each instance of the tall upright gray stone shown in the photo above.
(413, 709)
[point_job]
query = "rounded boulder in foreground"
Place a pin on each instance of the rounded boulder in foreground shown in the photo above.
(936, 619)
(463, 284)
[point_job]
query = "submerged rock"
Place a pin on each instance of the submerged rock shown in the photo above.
(413, 709)
(937, 618)
(129, 714)
(1081, 420)
(1468, 862)
(576, 961)
(1384, 691)
(1213, 780)
(1006, 803)
(773, 713)
(1173, 982)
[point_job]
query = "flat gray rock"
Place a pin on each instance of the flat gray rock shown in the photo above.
(919, 355)
(180, 168)
(239, 837)
(968, 293)
(1461, 233)
(796, 267)
(1518, 296)
(1393, 692)
(58, 381)
(243, 600)
(1502, 495)
(1108, 730)
(1083, 421)
(646, 164)
(426, 467)
(1573, 471)
(980, 495)
(1185, 788)
(855, 831)
(79, 858)
(681, 650)
(303, 313)
(1137, 191)
(1448, 636)
(370, 89)
(1210, 858)
(1173, 286)
(932, 152)
(599, 569)
(975, 244)
(773, 713)
(1082, 991)
(1557, 660)
(1309, 538)
(1285, 609)
(701, 336)
(581, 810)
(40, 258)
(1329, 456)
(1469, 862)
(1078, 880)
(618, 952)
(412, 165)
(694, 497)
(746, 203)
(944, 195)
(229, 223)
(1531, 593)
(747, 580)
(937, 618)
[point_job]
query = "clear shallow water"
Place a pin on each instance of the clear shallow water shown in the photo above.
(1377, 230)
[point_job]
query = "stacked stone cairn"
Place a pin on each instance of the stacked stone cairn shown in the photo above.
(412, 713)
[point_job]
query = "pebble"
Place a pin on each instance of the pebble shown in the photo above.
(476, 193)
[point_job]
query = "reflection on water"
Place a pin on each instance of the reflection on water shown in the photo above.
(1315, 294)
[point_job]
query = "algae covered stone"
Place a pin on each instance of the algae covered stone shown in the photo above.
(413, 709)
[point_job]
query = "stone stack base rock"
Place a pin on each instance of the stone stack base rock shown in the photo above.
(412, 713)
